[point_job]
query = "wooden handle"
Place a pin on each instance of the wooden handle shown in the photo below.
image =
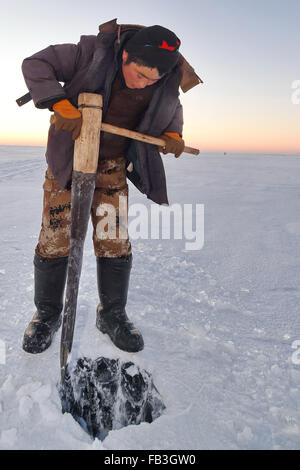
(94, 116)
(86, 149)
(141, 137)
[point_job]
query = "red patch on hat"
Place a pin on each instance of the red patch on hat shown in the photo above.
(165, 45)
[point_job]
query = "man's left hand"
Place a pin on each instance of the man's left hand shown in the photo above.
(173, 144)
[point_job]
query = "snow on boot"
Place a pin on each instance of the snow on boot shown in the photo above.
(49, 283)
(113, 281)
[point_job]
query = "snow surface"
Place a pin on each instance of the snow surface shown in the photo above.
(219, 324)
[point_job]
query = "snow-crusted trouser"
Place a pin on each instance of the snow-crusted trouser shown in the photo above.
(110, 239)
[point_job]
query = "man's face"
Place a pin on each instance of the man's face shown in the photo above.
(138, 76)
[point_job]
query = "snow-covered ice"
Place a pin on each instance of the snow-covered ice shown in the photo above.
(221, 325)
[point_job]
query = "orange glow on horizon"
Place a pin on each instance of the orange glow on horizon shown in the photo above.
(22, 141)
(204, 146)
(246, 140)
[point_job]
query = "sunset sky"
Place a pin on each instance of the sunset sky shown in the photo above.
(246, 52)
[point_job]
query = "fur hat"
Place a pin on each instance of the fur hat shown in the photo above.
(156, 47)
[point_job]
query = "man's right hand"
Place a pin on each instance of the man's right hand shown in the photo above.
(173, 144)
(67, 118)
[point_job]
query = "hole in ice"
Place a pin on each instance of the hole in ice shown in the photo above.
(106, 394)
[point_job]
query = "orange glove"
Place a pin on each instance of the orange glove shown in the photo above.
(173, 144)
(67, 118)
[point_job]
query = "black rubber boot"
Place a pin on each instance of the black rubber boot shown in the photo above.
(49, 283)
(113, 281)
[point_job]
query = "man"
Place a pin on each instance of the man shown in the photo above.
(138, 71)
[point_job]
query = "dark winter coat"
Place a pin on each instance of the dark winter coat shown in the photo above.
(91, 66)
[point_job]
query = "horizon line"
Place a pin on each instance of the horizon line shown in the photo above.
(260, 152)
